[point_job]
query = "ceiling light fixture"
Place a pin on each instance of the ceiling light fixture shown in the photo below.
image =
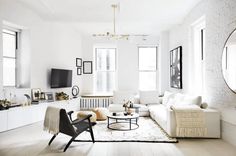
(115, 36)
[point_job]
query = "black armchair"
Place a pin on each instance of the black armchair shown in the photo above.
(73, 128)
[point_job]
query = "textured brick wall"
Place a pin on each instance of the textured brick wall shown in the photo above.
(220, 22)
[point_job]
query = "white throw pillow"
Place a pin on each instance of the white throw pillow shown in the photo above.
(167, 95)
(190, 100)
(149, 97)
(119, 97)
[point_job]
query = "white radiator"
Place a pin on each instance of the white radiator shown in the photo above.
(93, 102)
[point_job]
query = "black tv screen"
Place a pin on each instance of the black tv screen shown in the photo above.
(61, 78)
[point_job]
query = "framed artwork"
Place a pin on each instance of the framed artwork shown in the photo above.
(36, 94)
(78, 62)
(49, 96)
(79, 71)
(87, 67)
(176, 68)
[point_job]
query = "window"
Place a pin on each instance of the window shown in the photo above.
(199, 57)
(105, 69)
(9, 57)
(147, 68)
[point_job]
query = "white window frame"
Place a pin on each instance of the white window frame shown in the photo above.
(95, 90)
(17, 33)
(198, 57)
(156, 70)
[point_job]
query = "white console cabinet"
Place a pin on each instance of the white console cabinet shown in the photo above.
(21, 116)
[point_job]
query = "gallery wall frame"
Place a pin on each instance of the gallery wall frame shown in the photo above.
(79, 71)
(79, 62)
(176, 68)
(87, 67)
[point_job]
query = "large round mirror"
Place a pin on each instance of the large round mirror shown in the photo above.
(229, 61)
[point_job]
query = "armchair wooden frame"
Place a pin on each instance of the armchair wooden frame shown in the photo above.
(73, 128)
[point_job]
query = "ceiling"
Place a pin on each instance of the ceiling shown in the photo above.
(133, 16)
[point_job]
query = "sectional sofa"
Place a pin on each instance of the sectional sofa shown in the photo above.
(150, 104)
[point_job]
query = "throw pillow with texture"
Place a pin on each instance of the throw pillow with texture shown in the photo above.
(149, 97)
(190, 100)
(167, 95)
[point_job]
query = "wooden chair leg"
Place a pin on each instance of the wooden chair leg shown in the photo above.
(53, 137)
(91, 131)
(68, 144)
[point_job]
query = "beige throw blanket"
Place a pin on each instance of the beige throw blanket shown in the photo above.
(52, 120)
(190, 121)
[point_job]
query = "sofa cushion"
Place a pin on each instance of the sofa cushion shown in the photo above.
(167, 96)
(119, 97)
(148, 97)
(189, 100)
(142, 108)
(159, 114)
(116, 108)
(170, 99)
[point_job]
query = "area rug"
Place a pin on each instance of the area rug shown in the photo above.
(148, 131)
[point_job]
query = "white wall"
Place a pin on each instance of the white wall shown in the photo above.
(52, 45)
(127, 60)
(220, 21)
(164, 62)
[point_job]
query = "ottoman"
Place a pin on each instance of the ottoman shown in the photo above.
(101, 113)
(82, 114)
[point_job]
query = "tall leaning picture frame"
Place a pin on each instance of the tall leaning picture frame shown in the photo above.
(176, 68)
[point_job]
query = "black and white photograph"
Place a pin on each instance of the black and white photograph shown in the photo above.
(79, 71)
(87, 67)
(79, 62)
(176, 68)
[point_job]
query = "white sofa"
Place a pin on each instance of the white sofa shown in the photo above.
(165, 116)
(142, 100)
(160, 111)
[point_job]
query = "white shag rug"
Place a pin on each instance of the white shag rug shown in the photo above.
(148, 131)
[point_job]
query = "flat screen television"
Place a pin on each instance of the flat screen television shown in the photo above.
(61, 78)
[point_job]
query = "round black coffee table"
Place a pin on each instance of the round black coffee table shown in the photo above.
(130, 121)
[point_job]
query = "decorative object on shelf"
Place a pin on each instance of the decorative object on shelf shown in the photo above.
(87, 67)
(176, 68)
(4, 104)
(42, 96)
(79, 71)
(75, 91)
(49, 96)
(28, 99)
(36, 94)
(62, 96)
(78, 62)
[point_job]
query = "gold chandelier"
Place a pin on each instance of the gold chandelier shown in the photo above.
(114, 35)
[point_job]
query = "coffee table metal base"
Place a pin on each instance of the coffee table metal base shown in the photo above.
(132, 125)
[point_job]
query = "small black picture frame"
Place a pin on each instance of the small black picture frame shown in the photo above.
(49, 96)
(87, 67)
(79, 71)
(78, 62)
(176, 68)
